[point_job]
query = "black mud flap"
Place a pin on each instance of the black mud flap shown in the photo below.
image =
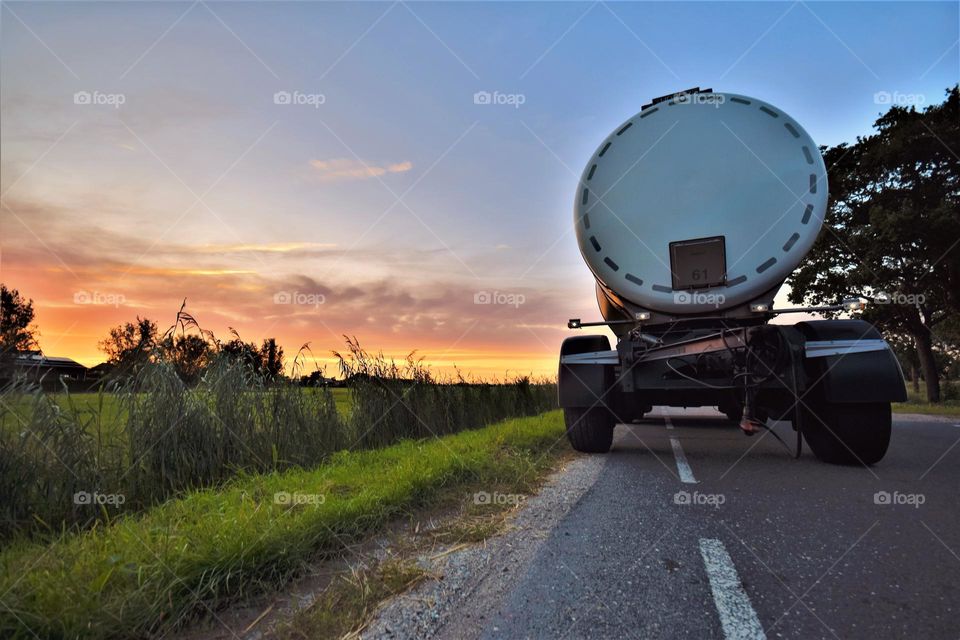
(873, 376)
(583, 385)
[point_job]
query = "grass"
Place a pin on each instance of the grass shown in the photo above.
(917, 403)
(143, 575)
(107, 409)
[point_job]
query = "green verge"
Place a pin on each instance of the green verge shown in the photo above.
(145, 574)
(917, 403)
(928, 409)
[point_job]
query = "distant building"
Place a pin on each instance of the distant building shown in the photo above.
(100, 371)
(51, 369)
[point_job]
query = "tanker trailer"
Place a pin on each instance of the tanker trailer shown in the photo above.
(691, 215)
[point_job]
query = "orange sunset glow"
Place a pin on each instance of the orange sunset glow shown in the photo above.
(275, 200)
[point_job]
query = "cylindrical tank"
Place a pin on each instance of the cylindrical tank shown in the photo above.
(701, 202)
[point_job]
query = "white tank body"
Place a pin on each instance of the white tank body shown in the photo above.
(735, 175)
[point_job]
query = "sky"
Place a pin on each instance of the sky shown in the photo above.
(313, 170)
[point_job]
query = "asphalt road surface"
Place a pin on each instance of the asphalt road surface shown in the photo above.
(690, 529)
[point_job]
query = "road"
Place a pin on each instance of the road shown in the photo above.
(689, 529)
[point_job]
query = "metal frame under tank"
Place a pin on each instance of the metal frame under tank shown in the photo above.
(833, 380)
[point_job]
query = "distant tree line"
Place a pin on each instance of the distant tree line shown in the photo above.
(132, 345)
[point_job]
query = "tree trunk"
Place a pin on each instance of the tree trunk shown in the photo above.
(915, 377)
(928, 364)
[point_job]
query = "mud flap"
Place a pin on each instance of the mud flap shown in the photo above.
(581, 385)
(874, 376)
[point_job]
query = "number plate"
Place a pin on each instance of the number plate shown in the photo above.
(699, 263)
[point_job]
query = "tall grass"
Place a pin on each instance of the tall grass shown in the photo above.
(151, 436)
(406, 400)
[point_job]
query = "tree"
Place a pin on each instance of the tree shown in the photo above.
(131, 345)
(905, 351)
(245, 352)
(16, 317)
(271, 354)
(893, 226)
(188, 353)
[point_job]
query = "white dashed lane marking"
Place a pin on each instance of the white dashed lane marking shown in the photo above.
(737, 617)
(686, 473)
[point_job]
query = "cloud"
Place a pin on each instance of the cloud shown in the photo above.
(346, 169)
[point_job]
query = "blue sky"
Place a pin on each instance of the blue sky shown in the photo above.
(398, 197)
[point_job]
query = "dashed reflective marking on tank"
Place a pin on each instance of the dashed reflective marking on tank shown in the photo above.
(766, 265)
(793, 239)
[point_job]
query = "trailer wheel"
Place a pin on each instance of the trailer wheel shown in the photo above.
(590, 430)
(848, 433)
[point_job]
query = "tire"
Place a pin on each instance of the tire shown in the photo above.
(589, 430)
(853, 433)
